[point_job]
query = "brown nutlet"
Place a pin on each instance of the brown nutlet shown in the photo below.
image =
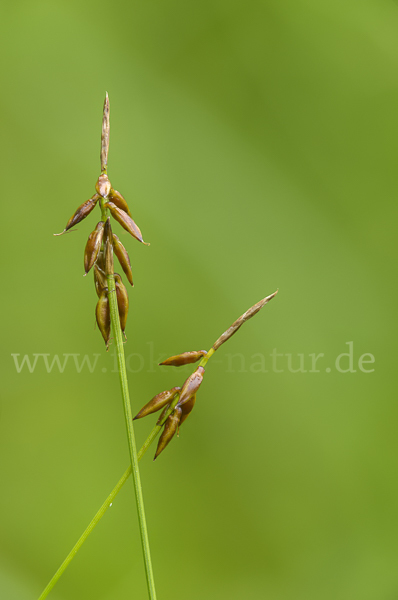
(122, 301)
(103, 186)
(120, 202)
(93, 246)
(170, 428)
(157, 402)
(82, 212)
(103, 316)
(123, 258)
(185, 358)
(191, 385)
(125, 221)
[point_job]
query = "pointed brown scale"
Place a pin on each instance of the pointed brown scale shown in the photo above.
(170, 428)
(82, 212)
(186, 410)
(99, 280)
(103, 186)
(122, 301)
(157, 402)
(185, 358)
(123, 258)
(125, 221)
(108, 247)
(103, 316)
(191, 385)
(120, 202)
(93, 246)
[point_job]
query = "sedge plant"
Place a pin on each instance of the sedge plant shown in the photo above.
(111, 315)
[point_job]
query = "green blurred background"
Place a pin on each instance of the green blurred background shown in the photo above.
(256, 144)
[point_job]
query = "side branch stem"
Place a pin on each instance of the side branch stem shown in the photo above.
(85, 534)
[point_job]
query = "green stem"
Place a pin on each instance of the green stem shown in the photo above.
(86, 533)
(104, 507)
(117, 332)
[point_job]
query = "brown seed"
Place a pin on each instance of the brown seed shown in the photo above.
(125, 221)
(93, 246)
(157, 402)
(123, 258)
(186, 409)
(120, 202)
(103, 316)
(122, 301)
(82, 212)
(169, 430)
(191, 385)
(108, 247)
(103, 186)
(185, 358)
(99, 280)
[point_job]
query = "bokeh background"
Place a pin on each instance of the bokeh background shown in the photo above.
(257, 146)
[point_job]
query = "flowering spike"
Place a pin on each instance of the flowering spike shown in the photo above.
(242, 319)
(185, 358)
(157, 402)
(169, 430)
(105, 135)
(191, 385)
(93, 246)
(123, 258)
(125, 221)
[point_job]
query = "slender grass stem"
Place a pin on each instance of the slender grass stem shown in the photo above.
(104, 507)
(117, 332)
(85, 534)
